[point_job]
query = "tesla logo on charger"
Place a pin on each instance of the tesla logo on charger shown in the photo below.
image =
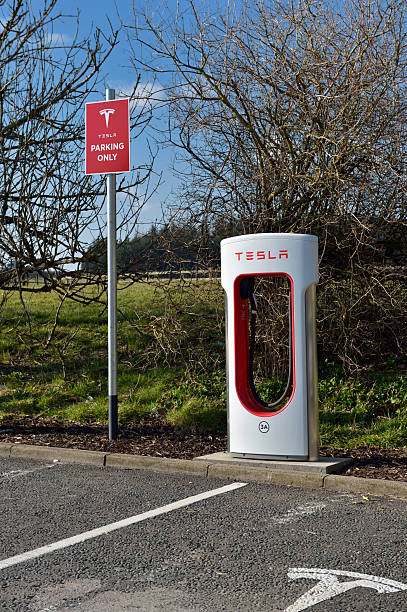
(259, 255)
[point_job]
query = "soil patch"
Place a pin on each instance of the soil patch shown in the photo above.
(156, 438)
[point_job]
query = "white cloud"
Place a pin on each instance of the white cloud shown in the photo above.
(141, 94)
(57, 39)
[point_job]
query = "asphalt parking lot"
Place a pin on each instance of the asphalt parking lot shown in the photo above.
(88, 538)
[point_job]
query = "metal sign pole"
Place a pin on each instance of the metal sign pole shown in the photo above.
(112, 296)
(109, 153)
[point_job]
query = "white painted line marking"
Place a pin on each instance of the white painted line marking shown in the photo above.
(94, 533)
(296, 513)
(16, 473)
(329, 586)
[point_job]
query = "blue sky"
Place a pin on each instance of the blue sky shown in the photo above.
(117, 74)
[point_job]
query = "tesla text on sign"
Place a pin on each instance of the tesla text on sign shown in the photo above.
(107, 137)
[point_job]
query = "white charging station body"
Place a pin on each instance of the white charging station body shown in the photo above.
(291, 432)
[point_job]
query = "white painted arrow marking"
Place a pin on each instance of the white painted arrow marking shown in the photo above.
(329, 585)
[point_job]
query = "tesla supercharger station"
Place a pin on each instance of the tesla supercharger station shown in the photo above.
(288, 428)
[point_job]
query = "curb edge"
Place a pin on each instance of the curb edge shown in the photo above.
(332, 482)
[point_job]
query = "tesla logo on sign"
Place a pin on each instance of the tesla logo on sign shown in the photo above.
(107, 112)
(107, 129)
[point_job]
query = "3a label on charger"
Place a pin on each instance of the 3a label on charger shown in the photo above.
(264, 427)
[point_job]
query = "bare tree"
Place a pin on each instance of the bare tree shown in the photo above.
(290, 116)
(50, 212)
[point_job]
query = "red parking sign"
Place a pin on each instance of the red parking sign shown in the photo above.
(107, 135)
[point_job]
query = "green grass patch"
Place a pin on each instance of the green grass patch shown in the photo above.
(183, 380)
(369, 413)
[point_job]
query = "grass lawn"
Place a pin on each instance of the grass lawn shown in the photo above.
(65, 376)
